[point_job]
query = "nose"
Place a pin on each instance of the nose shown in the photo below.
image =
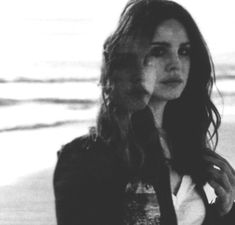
(173, 62)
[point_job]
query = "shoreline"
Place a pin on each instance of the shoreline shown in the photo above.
(29, 198)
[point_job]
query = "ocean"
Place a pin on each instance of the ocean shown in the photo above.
(35, 104)
(42, 112)
(39, 116)
(33, 113)
(49, 95)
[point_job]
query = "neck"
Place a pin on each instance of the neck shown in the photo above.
(157, 109)
(122, 120)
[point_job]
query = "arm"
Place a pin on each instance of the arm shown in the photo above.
(73, 186)
(227, 219)
(221, 177)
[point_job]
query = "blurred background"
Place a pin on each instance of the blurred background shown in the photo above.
(50, 57)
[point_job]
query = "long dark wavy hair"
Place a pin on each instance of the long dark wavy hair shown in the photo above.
(191, 121)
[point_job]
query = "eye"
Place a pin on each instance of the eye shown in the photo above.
(185, 51)
(157, 51)
(125, 60)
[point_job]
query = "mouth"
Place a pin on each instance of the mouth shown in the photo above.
(172, 81)
(138, 91)
(136, 81)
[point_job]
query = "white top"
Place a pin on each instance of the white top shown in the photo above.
(141, 204)
(189, 206)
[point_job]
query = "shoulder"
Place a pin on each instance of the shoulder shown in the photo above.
(75, 147)
(84, 157)
(84, 150)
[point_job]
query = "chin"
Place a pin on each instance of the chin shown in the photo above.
(174, 97)
(136, 104)
(174, 94)
(169, 96)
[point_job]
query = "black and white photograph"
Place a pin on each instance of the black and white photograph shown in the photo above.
(117, 112)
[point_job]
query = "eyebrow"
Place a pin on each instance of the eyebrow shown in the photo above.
(166, 44)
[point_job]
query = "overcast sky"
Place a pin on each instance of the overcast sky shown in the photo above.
(34, 32)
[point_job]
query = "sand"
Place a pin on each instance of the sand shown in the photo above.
(29, 200)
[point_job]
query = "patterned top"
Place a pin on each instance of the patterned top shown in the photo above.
(141, 204)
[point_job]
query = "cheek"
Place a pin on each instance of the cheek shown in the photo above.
(186, 68)
(153, 70)
(121, 89)
(150, 75)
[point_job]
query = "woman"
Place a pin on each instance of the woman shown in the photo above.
(153, 151)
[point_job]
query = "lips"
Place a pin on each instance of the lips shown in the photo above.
(138, 91)
(172, 81)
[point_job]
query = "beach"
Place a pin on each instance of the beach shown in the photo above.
(30, 199)
(26, 194)
(51, 56)
(33, 127)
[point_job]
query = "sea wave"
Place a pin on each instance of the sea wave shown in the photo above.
(43, 125)
(226, 77)
(85, 103)
(49, 80)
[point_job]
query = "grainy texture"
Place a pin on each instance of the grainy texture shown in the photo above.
(31, 201)
(28, 202)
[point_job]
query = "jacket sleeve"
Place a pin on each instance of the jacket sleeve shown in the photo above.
(228, 219)
(73, 185)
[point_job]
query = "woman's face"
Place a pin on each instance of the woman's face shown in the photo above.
(167, 63)
(160, 75)
(130, 91)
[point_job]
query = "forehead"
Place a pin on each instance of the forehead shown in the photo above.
(170, 30)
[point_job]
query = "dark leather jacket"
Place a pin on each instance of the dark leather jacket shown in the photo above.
(89, 183)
